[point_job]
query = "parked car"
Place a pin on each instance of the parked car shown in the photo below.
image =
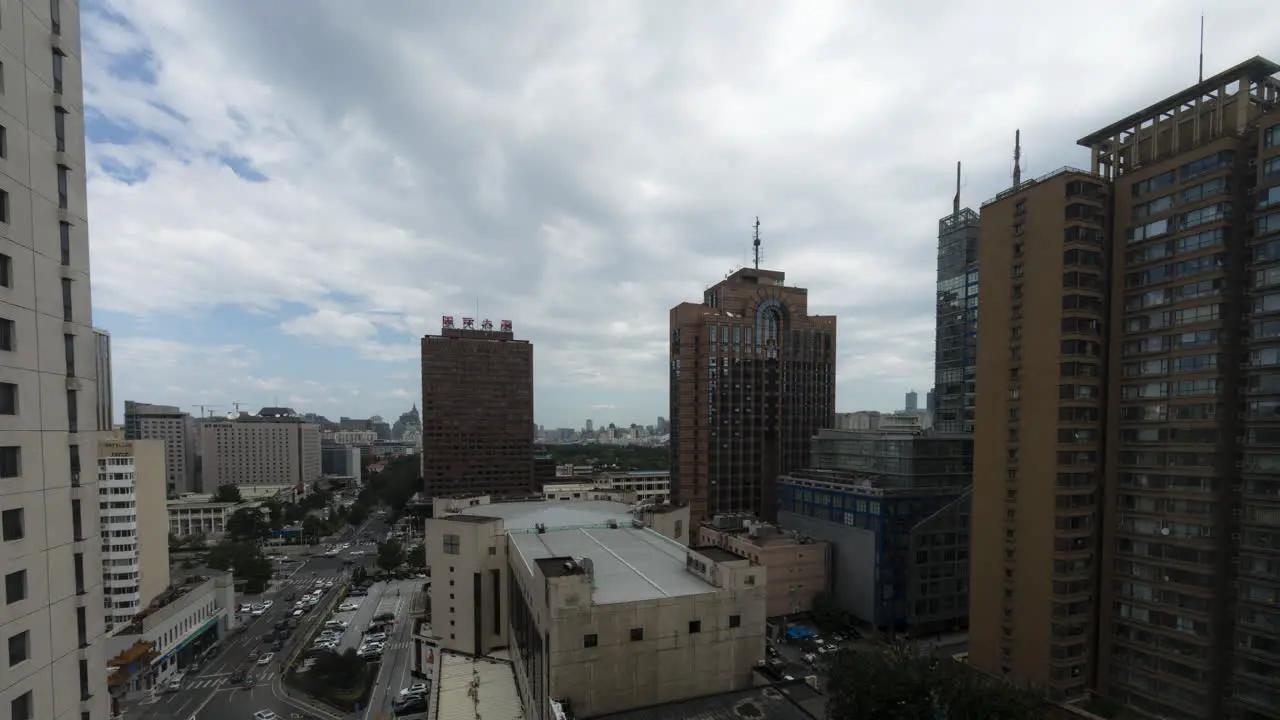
(265, 659)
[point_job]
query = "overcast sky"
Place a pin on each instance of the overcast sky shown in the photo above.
(285, 195)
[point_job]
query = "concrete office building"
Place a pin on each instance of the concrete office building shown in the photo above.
(273, 448)
(51, 617)
(912, 402)
(102, 362)
(597, 614)
(895, 508)
(734, 426)
(342, 460)
(477, 411)
(1141, 566)
(134, 524)
(799, 567)
(143, 421)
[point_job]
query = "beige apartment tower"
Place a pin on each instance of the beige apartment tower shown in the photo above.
(1127, 451)
(51, 614)
(134, 526)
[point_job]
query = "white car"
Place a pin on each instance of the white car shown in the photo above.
(414, 689)
(265, 715)
(265, 659)
(266, 604)
(348, 607)
(257, 610)
(245, 608)
(375, 638)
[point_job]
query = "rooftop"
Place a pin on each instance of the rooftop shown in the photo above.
(629, 564)
(526, 514)
(493, 696)
(715, 554)
(759, 703)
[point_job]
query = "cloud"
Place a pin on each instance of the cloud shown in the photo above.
(579, 168)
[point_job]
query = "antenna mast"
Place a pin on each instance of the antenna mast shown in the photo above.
(756, 243)
(1017, 158)
(1201, 46)
(955, 203)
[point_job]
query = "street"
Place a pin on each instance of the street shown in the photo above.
(396, 660)
(208, 693)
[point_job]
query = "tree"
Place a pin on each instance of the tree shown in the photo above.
(247, 524)
(827, 614)
(416, 555)
(337, 671)
(312, 528)
(896, 682)
(227, 493)
(246, 560)
(390, 555)
(357, 514)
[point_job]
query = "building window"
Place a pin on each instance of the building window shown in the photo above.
(493, 550)
(77, 565)
(66, 300)
(4, 142)
(77, 525)
(695, 626)
(452, 544)
(84, 681)
(19, 648)
(69, 349)
(637, 634)
(15, 587)
(590, 640)
(64, 242)
(10, 467)
(12, 526)
(60, 129)
(22, 707)
(73, 412)
(55, 16)
(8, 398)
(8, 330)
(73, 453)
(63, 171)
(57, 71)
(4, 207)
(82, 626)
(735, 621)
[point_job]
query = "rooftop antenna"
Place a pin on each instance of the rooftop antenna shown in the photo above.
(955, 202)
(1201, 46)
(1017, 157)
(756, 242)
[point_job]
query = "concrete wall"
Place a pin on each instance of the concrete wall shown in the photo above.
(853, 561)
(455, 606)
(798, 572)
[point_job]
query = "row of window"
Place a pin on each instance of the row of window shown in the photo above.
(590, 640)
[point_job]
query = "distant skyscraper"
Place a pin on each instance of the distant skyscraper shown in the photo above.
(590, 426)
(955, 350)
(930, 400)
(752, 381)
(913, 401)
(477, 411)
(143, 421)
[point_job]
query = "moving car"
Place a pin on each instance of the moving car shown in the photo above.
(265, 659)
(265, 715)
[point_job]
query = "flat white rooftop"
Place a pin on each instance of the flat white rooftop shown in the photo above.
(630, 564)
(495, 696)
(553, 513)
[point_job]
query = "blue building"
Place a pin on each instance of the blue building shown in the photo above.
(895, 508)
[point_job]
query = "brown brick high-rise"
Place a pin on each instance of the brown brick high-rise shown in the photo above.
(477, 412)
(753, 379)
(1126, 506)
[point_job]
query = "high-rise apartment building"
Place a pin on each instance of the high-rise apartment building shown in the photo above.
(106, 416)
(1128, 343)
(276, 447)
(956, 330)
(477, 411)
(912, 401)
(134, 526)
(50, 559)
(753, 379)
(143, 421)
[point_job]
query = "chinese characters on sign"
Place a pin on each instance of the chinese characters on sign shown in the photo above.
(447, 322)
(506, 326)
(468, 323)
(487, 325)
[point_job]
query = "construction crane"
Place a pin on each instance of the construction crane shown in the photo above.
(206, 410)
(238, 404)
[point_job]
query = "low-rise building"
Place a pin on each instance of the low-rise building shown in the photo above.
(198, 514)
(799, 567)
(179, 625)
(599, 612)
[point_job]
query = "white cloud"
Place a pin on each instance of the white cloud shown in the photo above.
(582, 168)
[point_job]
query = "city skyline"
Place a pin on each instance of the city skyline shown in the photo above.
(583, 249)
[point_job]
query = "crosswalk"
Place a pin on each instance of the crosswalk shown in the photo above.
(209, 682)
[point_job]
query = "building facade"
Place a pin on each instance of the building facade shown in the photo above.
(143, 421)
(134, 524)
(598, 615)
(51, 618)
(106, 412)
(895, 508)
(955, 349)
(1149, 279)
(477, 411)
(275, 447)
(799, 567)
(752, 380)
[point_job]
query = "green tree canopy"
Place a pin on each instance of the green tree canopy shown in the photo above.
(312, 528)
(624, 457)
(227, 493)
(334, 670)
(247, 524)
(390, 555)
(246, 560)
(896, 682)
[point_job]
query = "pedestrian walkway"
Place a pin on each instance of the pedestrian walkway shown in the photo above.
(209, 682)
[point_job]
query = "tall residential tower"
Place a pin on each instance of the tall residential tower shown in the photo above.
(477, 411)
(51, 618)
(1126, 512)
(955, 350)
(753, 379)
